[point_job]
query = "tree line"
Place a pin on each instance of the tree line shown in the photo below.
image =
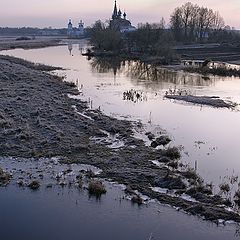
(191, 22)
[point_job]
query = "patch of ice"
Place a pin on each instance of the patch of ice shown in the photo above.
(111, 140)
(188, 198)
(172, 193)
(161, 190)
(158, 164)
(82, 114)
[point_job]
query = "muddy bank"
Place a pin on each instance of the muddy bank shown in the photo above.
(12, 43)
(202, 100)
(39, 119)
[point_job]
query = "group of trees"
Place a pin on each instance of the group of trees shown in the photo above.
(188, 23)
(153, 39)
(104, 38)
(191, 22)
(148, 39)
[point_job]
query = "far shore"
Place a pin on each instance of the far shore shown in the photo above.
(11, 42)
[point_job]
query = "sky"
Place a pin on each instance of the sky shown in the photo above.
(55, 13)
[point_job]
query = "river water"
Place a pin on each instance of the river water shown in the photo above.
(209, 138)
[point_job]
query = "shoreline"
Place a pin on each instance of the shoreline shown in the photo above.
(174, 65)
(39, 42)
(38, 120)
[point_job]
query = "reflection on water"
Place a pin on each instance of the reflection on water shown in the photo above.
(62, 213)
(106, 65)
(70, 48)
(149, 74)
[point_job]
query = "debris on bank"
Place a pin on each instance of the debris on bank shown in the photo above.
(203, 100)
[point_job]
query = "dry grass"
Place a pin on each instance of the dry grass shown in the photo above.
(224, 187)
(96, 188)
(172, 153)
(4, 177)
(34, 185)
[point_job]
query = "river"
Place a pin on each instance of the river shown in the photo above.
(208, 137)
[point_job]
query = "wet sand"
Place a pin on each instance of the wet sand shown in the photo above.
(39, 119)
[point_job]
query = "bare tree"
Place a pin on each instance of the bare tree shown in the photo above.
(191, 22)
(177, 24)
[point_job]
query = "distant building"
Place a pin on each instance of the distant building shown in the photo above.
(119, 21)
(75, 32)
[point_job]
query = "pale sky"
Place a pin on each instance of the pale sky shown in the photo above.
(55, 13)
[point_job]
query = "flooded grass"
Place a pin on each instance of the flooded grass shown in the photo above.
(70, 134)
(96, 188)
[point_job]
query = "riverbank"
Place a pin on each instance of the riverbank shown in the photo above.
(38, 119)
(7, 43)
(198, 52)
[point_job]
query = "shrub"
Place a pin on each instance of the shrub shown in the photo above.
(172, 153)
(34, 185)
(96, 188)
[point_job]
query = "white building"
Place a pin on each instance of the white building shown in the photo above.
(75, 32)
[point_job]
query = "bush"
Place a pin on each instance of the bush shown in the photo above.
(96, 188)
(172, 153)
(34, 185)
(4, 177)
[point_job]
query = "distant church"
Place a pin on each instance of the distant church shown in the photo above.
(119, 21)
(75, 32)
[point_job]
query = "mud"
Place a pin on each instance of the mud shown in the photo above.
(39, 120)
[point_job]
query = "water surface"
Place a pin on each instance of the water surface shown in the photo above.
(209, 136)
